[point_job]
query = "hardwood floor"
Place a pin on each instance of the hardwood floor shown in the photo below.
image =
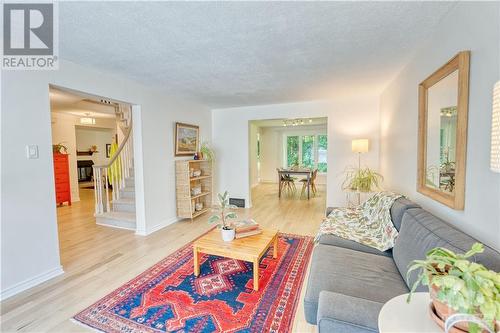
(98, 259)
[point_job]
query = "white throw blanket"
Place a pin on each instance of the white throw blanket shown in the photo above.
(369, 224)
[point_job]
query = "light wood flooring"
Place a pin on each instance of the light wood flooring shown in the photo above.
(98, 259)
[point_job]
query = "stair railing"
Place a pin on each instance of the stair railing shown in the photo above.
(114, 173)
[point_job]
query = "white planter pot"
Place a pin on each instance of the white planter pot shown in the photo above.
(227, 235)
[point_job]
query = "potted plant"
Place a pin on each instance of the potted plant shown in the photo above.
(59, 148)
(458, 285)
(223, 215)
(207, 152)
(361, 180)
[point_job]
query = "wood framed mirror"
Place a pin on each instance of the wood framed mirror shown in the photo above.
(442, 134)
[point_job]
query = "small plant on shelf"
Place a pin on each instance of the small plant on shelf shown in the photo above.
(59, 148)
(223, 215)
(459, 286)
(361, 180)
(207, 152)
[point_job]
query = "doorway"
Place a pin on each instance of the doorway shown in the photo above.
(89, 134)
(298, 144)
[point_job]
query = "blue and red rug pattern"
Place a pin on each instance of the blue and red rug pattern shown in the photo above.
(169, 298)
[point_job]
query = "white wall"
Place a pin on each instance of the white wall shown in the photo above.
(254, 162)
(29, 241)
(273, 152)
(468, 26)
(347, 119)
(63, 131)
(271, 157)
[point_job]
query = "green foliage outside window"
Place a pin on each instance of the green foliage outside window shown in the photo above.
(308, 151)
(322, 153)
(292, 150)
(309, 154)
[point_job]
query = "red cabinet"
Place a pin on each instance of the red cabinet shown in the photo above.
(61, 177)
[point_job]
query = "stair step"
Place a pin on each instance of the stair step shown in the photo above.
(124, 220)
(127, 192)
(124, 205)
(130, 182)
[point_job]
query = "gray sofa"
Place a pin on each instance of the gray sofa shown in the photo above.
(349, 282)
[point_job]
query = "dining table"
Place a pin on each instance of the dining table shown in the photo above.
(305, 172)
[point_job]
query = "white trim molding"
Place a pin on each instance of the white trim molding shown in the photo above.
(155, 228)
(31, 282)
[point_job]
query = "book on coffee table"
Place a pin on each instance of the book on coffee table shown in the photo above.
(245, 226)
(248, 233)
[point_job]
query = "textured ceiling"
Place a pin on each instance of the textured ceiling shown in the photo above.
(246, 53)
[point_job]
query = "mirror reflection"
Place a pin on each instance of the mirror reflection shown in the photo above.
(441, 133)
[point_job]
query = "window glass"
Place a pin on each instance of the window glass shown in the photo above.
(322, 153)
(292, 151)
(308, 151)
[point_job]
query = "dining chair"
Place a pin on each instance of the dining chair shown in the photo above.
(286, 182)
(312, 183)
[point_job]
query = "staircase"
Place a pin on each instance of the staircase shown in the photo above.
(114, 189)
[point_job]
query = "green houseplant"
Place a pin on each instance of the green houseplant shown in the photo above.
(207, 152)
(59, 148)
(458, 285)
(223, 215)
(361, 180)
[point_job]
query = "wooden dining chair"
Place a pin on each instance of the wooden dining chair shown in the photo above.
(312, 183)
(286, 182)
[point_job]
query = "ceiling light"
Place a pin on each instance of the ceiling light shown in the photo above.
(87, 120)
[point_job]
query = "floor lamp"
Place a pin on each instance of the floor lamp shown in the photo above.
(359, 146)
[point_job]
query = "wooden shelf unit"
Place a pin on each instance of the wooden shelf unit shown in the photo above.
(184, 183)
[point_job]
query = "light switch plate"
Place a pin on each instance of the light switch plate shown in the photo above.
(32, 152)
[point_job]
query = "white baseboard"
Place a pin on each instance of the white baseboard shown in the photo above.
(115, 226)
(157, 227)
(31, 282)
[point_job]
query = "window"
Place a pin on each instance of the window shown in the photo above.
(292, 151)
(308, 151)
(322, 153)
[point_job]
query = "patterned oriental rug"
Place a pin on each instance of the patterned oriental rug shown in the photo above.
(169, 298)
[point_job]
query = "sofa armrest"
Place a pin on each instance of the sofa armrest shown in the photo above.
(328, 210)
(347, 313)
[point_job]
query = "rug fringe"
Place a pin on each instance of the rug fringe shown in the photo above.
(75, 321)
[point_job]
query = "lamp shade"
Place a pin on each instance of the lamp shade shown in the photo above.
(360, 146)
(495, 130)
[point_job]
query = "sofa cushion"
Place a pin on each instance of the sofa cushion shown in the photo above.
(342, 313)
(398, 208)
(422, 231)
(352, 273)
(349, 244)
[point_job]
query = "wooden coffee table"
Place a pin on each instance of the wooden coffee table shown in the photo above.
(250, 248)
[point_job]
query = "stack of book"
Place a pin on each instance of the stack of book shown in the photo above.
(246, 228)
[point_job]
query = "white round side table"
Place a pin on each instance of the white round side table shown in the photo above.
(397, 316)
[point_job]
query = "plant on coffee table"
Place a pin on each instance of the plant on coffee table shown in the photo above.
(460, 286)
(224, 214)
